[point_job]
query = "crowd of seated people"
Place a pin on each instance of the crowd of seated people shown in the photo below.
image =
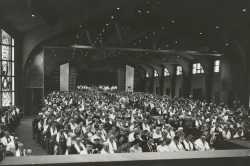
(92, 121)
(9, 144)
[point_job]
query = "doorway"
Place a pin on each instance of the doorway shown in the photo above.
(33, 100)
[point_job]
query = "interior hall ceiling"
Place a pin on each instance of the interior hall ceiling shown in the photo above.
(193, 27)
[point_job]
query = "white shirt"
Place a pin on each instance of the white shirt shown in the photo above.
(69, 142)
(226, 134)
(170, 134)
(238, 134)
(173, 147)
(80, 148)
(131, 137)
(53, 131)
(163, 148)
(45, 127)
(133, 150)
(145, 127)
(18, 153)
(188, 145)
(157, 135)
(112, 146)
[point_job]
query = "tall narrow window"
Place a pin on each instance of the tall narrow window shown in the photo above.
(7, 69)
(217, 66)
(156, 73)
(147, 75)
(166, 72)
(178, 70)
(197, 68)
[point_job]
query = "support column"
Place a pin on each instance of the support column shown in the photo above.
(155, 84)
(121, 79)
(162, 84)
(129, 80)
(64, 77)
(226, 81)
(186, 81)
(147, 85)
(126, 78)
(173, 81)
(208, 68)
(68, 75)
(72, 77)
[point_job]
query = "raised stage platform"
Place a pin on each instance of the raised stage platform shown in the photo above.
(210, 158)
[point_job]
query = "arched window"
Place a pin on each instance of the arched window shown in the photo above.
(197, 68)
(179, 70)
(7, 69)
(217, 66)
(147, 75)
(166, 72)
(156, 73)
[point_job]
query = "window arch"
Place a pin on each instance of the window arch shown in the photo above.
(156, 74)
(217, 66)
(7, 69)
(197, 68)
(179, 70)
(166, 72)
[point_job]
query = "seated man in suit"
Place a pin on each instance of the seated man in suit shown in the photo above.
(201, 143)
(188, 143)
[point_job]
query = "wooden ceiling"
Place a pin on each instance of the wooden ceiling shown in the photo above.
(190, 28)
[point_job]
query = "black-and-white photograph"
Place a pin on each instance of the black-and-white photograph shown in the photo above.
(125, 82)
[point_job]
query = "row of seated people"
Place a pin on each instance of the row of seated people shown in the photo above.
(9, 144)
(93, 121)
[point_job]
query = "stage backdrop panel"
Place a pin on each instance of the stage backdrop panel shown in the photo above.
(64, 77)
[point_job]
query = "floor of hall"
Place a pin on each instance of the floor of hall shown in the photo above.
(24, 133)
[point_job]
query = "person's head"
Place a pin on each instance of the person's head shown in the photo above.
(20, 145)
(189, 137)
(78, 139)
(112, 137)
(204, 136)
(158, 129)
(136, 145)
(122, 139)
(7, 133)
(89, 147)
(29, 152)
(240, 129)
(97, 140)
(163, 142)
(151, 140)
(167, 141)
(176, 139)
